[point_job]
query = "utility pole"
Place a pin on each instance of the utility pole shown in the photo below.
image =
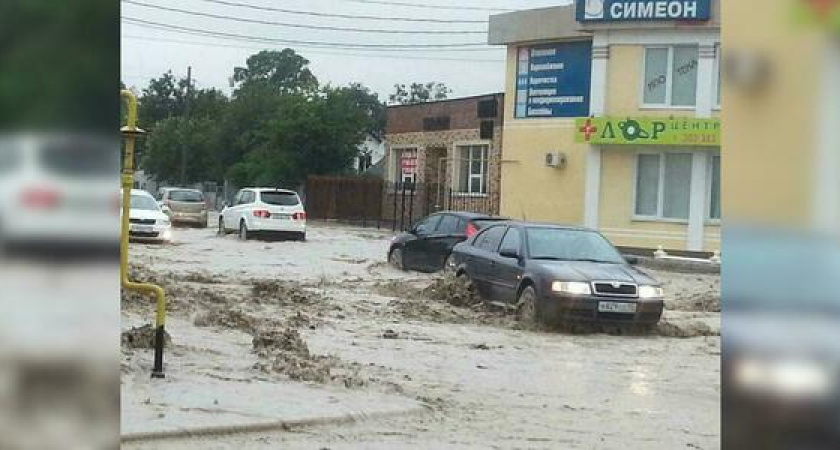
(187, 117)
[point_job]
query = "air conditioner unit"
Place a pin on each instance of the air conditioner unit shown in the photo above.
(556, 160)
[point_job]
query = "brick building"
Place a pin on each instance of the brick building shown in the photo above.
(450, 151)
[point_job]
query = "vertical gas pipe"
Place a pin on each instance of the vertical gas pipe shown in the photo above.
(130, 132)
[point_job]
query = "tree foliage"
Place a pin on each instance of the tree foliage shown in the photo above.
(279, 126)
(419, 93)
(285, 72)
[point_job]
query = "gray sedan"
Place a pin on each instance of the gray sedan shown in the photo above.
(554, 273)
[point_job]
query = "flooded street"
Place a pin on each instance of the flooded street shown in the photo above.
(329, 312)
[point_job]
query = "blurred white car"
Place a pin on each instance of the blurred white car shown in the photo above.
(59, 189)
(147, 221)
(263, 211)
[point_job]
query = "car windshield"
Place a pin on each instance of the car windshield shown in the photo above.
(571, 245)
(82, 158)
(144, 202)
(186, 196)
(280, 198)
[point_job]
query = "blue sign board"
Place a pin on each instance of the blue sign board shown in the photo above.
(642, 10)
(554, 80)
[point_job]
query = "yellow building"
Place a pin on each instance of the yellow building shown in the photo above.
(612, 119)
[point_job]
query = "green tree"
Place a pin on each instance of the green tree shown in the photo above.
(198, 136)
(285, 72)
(419, 93)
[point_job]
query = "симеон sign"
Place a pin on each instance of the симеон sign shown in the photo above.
(642, 10)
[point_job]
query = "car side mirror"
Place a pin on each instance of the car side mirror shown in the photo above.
(632, 260)
(509, 253)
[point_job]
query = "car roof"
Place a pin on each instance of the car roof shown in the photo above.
(545, 225)
(288, 191)
(181, 189)
(472, 215)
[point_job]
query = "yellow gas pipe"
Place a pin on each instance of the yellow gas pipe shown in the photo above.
(130, 131)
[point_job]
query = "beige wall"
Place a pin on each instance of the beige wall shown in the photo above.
(770, 129)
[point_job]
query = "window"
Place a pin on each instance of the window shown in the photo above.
(663, 185)
(472, 171)
(186, 196)
(448, 225)
(427, 226)
(488, 109)
(487, 129)
(280, 198)
(144, 202)
(512, 240)
(238, 199)
(246, 198)
(405, 165)
(670, 76)
(490, 239)
(714, 187)
(571, 245)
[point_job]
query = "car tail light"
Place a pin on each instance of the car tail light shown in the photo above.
(40, 198)
(471, 230)
(262, 214)
(299, 216)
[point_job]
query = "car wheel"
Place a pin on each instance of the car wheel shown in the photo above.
(300, 237)
(396, 259)
(222, 230)
(528, 311)
(243, 231)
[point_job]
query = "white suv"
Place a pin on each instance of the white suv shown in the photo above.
(262, 210)
(58, 190)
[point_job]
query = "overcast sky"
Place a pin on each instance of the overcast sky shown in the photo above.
(149, 50)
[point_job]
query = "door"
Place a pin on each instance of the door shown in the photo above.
(508, 270)
(229, 213)
(450, 232)
(415, 251)
(484, 261)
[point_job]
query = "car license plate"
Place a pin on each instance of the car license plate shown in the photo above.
(142, 229)
(616, 307)
(281, 216)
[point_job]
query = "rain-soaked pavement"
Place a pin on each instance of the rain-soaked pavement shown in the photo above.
(363, 326)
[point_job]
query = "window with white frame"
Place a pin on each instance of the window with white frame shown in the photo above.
(670, 76)
(472, 165)
(663, 185)
(714, 187)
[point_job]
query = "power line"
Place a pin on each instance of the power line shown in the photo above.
(416, 5)
(466, 46)
(381, 56)
(340, 16)
(292, 25)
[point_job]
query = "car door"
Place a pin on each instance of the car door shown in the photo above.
(230, 211)
(485, 261)
(244, 208)
(439, 244)
(508, 270)
(415, 251)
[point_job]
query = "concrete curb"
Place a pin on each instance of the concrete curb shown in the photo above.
(282, 425)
